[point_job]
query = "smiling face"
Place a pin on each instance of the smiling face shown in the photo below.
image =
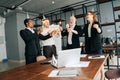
(72, 20)
(89, 16)
(46, 23)
(30, 24)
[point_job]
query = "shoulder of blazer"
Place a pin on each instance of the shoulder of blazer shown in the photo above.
(25, 31)
(28, 31)
(22, 31)
(77, 26)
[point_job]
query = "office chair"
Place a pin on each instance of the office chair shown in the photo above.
(112, 74)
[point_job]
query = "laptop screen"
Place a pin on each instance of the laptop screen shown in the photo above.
(69, 57)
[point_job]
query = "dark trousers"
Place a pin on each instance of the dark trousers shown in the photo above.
(48, 51)
(69, 46)
(94, 52)
(72, 46)
(30, 59)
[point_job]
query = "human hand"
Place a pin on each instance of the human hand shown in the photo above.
(40, 30)
(60, 28)
(52, 32)
(40, 58)
(67, 26)
(95, 26)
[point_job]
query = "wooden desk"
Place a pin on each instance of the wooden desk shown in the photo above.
(37, 71)
(108, 49)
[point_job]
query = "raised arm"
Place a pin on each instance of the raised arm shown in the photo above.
(27, 37)
(42, 37)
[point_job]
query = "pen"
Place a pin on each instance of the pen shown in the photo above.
(95, 56)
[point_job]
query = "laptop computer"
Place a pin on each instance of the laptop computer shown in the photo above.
(67, 57)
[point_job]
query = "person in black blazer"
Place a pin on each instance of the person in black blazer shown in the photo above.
(31, 39)
(92, 32)
(73, 33)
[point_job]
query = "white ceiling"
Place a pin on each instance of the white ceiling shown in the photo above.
(36, 6)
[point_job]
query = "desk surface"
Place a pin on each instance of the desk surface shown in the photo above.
(37, 71)
(109, 47)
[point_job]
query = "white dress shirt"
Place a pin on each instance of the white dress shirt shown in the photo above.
(31, 30)
(89, 31)
(70, 35)
(47, 42)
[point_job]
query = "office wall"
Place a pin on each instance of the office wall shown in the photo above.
(107, 16)
(106, 12)
(15, 45)
(117, 3)
(3, 54)
(11, 37)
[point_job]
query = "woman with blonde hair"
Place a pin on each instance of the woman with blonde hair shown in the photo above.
(92, 31)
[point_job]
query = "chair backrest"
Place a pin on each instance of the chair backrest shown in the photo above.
(112, 74)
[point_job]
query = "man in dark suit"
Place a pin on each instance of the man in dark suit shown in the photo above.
(73, 34)
(31, 39)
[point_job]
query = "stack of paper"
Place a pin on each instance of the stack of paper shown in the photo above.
(96, 57)
(64, 73)
(68, 72)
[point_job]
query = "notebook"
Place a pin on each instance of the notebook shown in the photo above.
(67, 57)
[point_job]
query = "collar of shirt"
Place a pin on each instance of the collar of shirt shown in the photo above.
(31, 30)
(73, 25)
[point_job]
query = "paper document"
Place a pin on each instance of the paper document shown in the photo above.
(83, 55)
(81, 64)
(54, 61)
(96, 57)
(64, 73)
(53, 73)
(68, 72)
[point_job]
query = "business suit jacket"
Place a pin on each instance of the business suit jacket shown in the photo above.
(32, 45)
(93, 43)
(75, 37)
